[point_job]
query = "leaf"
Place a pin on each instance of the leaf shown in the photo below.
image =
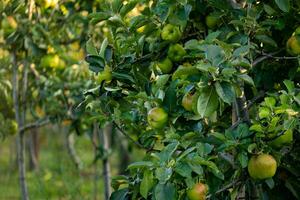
(170, 98)
(284, 5)
(183, 169)
(225, 91)
(98, 17)
(246, 78)
(140, 164)
(163, 174)
(243, 159)
(96, 63)
(214, 54)
(289, 85)
(266, 40)
(165, 192)
(167, 152)
(127, 8)
(270, 183)
(121, 76)
(103, 48)
(147, 183)
(90, 48)
(120, 195)
(207, 102)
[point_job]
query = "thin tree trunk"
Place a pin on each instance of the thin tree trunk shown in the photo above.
(70, 140)
(20, 139)
(105, 134)
(33, 144)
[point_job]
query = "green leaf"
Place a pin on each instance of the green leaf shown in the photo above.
(116, 5)
(207, 102)
(225, 91)
(96, 63)
(120, 195)
(243, 159)
(270, 182)
(183, 169)
(90, 48)
(246, 78)
(140, 164)
(166, 154)
(163, 174)
(266, 40)
(289, 85)
(165, 192)
(147, 183)
(170, 98)
(284, 5)
(127, 8)
(103, 48)
(98, 17)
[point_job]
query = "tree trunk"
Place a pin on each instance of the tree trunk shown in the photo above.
(34, 148)
(107, 130)
(70, 140)
(20, 139)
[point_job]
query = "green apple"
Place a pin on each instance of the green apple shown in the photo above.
(297, 31)
(157, 118)
(8, 25)
(105, 75)
(263, 166)
(165, 66)
(198, 192)
(212, 20)
(176, 52)
(293, 45)
(282, 140)
(171, 33)
(188, 100)
(52, 61)
(12, 127)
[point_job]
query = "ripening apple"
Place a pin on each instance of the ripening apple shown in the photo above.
(198, 192)
(212, 20)
(157, 118)
(263, 166)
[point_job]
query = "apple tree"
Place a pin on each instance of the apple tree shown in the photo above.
(208, 88)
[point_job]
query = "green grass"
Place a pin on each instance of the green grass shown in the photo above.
(57, 177)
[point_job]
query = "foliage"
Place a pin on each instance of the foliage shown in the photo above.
(227, 64)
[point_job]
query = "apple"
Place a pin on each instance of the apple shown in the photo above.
(263, 166)
(157, 118)
(187, 101)
(176, 52)
(212, 20)
(293, 45)
(165, 66)
(171, 33)
(9, 25)
(198, 192)
(52, 61)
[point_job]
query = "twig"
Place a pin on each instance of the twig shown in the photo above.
(271, 55)
(250, 103)
(234, 183)
(126, 135)
(36, 124)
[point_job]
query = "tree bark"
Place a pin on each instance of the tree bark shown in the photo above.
(20, 139)
(34, 148)
(70, 140)
(105, 133)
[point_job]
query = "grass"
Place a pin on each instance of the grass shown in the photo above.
(57, 177)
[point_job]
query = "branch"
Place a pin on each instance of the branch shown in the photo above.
(37, 124)
(250, 103)
(126, 135)
(234, 183)
(271, 55)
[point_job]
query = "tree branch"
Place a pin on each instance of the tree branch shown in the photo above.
(37, 124)
(234, 183)
(271, 55)
(126, 135)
